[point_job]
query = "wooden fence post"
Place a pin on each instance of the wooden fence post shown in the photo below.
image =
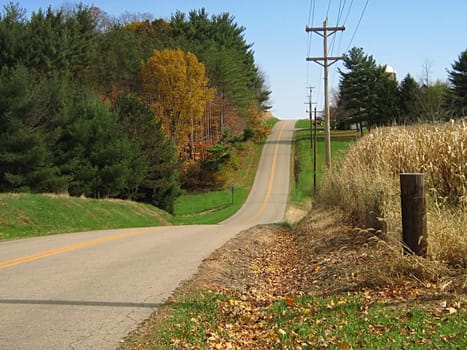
(414, 228)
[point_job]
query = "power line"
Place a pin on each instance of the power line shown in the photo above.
(329, 6)
(348, 12)
(341, 11)
(358, 24)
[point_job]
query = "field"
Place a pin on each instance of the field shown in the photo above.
(366, 185)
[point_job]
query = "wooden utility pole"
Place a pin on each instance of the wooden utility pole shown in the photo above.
(310, 113)
(314, 157)
(326, 61)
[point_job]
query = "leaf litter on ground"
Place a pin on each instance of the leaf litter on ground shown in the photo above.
(317, 285)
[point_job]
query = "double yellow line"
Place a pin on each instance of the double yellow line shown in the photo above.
(70, 248)
(271, 179)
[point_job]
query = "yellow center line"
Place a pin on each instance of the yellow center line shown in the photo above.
(271, 180)
(70, 248)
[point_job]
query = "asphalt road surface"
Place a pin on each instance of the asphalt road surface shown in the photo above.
(89, 290)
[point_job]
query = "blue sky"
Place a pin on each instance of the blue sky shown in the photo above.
(412, 36)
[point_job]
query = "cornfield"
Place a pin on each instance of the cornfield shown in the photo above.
(366, 184)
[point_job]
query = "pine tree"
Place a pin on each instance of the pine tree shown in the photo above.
(409, 98)
(26, 159)
(357, 87)
(155, 167)
(458, 79)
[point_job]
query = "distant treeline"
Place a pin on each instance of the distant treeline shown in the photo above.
(369, 94)
(94, 106)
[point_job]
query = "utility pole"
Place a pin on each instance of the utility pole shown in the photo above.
(314, 157)
(326, 61)
(310, 103)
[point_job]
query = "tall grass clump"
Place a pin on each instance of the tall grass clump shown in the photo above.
(365, 184)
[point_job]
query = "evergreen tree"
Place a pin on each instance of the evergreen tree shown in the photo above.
(61, 42)
(219, 42)
(368, 95)
(357, 87)
(458, 79)
(12, 35)
(26, 161)
(409, 100)
(155, 166)
(93, 151)
(387, 98)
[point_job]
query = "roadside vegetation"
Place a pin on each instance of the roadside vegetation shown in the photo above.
(211, 207)
(319, 285)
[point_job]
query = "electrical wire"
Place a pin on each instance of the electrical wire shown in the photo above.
(358, 25)
(348, 12)
(329, 7)
(341, 11)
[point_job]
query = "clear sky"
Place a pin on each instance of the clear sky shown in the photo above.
(413, 36)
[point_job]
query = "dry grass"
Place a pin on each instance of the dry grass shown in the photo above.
(366, 185)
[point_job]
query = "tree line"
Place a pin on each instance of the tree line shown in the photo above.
(123, 108)
(369, 94)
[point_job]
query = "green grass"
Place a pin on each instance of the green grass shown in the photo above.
(302, 181)
(346, 322)
(26, 215)
(209, 207)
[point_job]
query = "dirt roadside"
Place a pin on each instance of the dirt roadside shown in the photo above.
(321, 255)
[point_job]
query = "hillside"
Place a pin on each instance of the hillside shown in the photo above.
(26, 215)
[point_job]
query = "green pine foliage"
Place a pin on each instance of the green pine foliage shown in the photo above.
(155, 163)
(219, 43)
(409, 101)
(458, 79)
(368, 94)
(26, 162)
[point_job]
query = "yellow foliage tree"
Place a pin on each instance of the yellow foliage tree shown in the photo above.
(177, 86)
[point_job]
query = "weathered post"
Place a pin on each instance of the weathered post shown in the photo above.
(414, 228)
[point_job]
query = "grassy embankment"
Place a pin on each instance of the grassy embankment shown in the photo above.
(27, 215)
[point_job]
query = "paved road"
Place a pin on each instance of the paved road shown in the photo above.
(88, 290)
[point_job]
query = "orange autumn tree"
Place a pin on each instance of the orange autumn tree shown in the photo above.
(177, 85)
